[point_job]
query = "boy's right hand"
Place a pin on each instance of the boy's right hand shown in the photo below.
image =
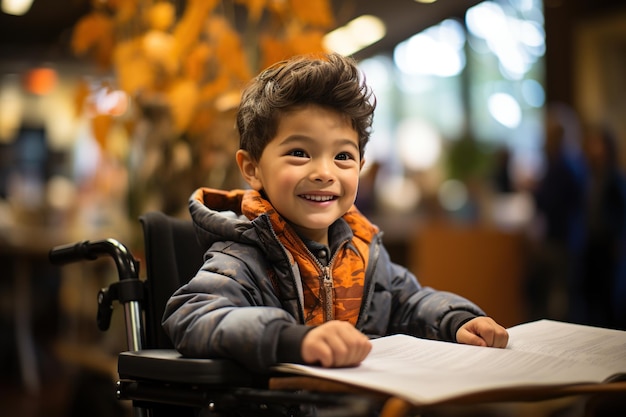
(335, 344)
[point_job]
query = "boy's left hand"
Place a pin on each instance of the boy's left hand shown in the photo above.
(483, 331)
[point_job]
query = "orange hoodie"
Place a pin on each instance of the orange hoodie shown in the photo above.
(330, 292)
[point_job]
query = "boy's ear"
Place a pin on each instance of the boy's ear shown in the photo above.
(248, 169)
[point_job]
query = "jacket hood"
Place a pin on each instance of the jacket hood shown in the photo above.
(243, 216)
(217, 216)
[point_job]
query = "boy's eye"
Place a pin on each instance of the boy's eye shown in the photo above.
(345, 156)
(299, 153)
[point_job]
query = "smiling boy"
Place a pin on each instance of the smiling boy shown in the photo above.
(293, 272)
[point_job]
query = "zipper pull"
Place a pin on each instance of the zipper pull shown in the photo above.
(329, 308)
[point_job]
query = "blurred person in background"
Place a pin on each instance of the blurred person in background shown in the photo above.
(554, 280)
(604, 271)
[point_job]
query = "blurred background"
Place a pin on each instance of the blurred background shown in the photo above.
(495, 166)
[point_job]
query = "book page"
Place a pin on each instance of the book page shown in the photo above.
(426, 371)
(591, 345)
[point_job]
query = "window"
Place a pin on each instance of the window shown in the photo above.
(478, 80)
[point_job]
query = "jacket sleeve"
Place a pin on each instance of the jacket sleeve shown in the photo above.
(413, 309)
(227, 311)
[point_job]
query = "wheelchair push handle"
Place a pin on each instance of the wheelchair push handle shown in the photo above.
(128, 291)
(127, 265)
(73, 252)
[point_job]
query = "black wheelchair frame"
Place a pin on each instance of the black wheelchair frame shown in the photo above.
(160, 382)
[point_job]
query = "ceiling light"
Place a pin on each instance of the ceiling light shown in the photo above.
(16, 7)
(355, 35)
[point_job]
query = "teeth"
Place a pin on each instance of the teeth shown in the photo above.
(318, 197)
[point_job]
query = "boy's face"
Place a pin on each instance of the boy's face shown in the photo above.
(309, 170)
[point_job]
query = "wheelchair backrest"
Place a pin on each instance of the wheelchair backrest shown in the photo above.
(172, 256)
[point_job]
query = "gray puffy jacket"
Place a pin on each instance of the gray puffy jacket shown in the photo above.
(232, 309)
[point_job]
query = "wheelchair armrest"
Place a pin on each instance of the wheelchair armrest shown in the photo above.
(168, 365)
(164, 376)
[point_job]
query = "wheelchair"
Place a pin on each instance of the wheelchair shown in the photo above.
(157, 379)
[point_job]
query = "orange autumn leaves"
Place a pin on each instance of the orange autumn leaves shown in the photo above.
(189, 59)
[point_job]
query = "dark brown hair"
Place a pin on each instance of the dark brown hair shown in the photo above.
(329, 80)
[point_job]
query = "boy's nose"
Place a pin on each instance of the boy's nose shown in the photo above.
(322, 172)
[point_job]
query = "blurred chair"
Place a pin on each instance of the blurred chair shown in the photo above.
(484, 264)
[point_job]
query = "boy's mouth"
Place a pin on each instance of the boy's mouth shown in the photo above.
(318, 198)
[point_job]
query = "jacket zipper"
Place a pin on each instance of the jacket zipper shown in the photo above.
(327, 284)
(327, 289)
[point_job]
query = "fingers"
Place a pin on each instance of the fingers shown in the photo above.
(467, 338)
(483, 331)
(335, 344)
(500, 338)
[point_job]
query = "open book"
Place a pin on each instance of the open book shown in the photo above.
(541, 355)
